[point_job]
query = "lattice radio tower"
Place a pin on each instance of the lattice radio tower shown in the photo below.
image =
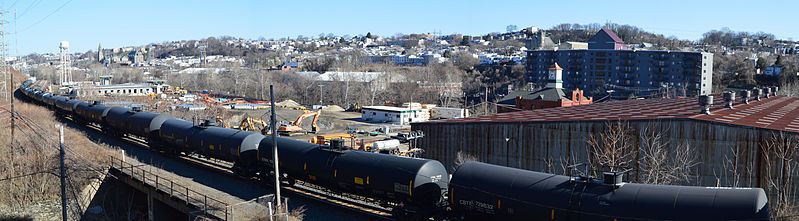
(6, 77)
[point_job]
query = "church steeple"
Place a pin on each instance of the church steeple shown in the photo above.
(100, 55)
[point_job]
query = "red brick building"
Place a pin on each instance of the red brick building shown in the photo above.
(552, 96)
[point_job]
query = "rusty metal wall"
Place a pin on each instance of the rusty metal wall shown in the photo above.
(546, 146)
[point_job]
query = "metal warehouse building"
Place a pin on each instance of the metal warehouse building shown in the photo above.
(545, 139)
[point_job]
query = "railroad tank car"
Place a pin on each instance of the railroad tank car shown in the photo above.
(145, 124)
(48, 99)
(36, 96)
(175, 135)
(27, 91)
(240, 147)
(480, 191)
(116, 120)
(133, 121)
(66, 106)
(418, 183)
(42, 97)
(92, 112)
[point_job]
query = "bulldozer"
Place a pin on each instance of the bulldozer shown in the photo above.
(295, 127)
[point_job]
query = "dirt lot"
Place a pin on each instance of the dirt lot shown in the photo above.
(333, 120)
(329, 122)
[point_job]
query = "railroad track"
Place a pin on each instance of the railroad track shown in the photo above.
(300, 188)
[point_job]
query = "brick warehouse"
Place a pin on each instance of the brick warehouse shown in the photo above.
(531, 139)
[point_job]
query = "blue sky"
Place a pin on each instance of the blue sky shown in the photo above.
(85, 23)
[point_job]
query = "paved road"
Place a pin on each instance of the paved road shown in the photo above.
(242, 189)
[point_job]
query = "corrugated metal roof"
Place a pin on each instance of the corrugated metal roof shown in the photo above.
(776, 113)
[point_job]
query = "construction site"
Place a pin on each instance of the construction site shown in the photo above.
(317, 124)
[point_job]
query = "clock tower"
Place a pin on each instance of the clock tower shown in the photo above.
(555, 79)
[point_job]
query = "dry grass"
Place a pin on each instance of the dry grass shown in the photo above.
(29, 164)
(296, 214)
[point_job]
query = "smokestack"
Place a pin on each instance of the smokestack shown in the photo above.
(729, 98)
(745, 95)
(705, 101)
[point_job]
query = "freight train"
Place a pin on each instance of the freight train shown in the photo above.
(416, 188)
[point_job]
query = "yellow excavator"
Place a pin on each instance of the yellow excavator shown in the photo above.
(252, 124)
(221, 121)
(295, 127)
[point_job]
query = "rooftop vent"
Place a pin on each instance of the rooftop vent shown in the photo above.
(729, 98)
(775, 90)
(745, 95)
(705, 101)
(757, 92)
(767, 92)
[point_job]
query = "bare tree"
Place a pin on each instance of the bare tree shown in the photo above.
(613, 148)
(661, 164)
(461, 158)
(781, 153)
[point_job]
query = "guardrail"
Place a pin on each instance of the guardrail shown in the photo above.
(209, 207)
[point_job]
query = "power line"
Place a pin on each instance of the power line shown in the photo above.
(33, 4)
(13, 4)
(45, 17)
(37, 131)
(48, 171)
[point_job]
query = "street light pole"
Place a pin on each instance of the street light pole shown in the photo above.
(273, 126)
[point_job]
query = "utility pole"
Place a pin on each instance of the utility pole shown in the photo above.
(485, 104)
(273, 125)
(13, 111)
(63, 173)
(11, 79)
(320, 94)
